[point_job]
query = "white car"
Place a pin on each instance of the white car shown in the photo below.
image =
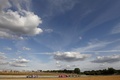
(32, 76)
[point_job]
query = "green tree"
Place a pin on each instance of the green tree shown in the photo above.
(77, 70)
(111, 70)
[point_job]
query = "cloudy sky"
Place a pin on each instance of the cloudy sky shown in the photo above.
(59, 34)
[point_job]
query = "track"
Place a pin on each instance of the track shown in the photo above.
(24, 76)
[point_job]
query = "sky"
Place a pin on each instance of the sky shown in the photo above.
(59, 34)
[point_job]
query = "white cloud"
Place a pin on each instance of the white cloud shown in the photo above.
(59, 66)
(2, 57)
(21, 60)
(3, 63)
(107, 59)
(4, 34)
(4, 4)
(18, 65)
(57, 62)
(70, 56)
(15, 24)
(64, 65)
(26, 48)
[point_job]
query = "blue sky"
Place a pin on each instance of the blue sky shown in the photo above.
(59, 34)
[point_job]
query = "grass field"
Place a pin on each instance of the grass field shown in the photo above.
(77, 78)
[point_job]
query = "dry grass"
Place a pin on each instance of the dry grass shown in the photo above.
(28, 73)
(78, 78)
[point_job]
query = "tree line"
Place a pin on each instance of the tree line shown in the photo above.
(76, 71)
(108, 71)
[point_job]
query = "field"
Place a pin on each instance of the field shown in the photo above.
(77, 78)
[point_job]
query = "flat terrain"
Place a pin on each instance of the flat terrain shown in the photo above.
(77, 78)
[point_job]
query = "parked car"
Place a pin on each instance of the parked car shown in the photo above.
(63, 76)
(32, 76)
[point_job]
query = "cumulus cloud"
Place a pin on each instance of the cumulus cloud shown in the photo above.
(3, 63)
(4, 34)
(57, 62)
(107, 59)
(2, 57)
(21, 60)
(70, 56)
(15, 24)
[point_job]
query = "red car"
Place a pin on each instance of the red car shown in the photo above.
(63, 76)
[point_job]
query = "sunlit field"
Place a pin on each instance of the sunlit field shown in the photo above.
(77, 78)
